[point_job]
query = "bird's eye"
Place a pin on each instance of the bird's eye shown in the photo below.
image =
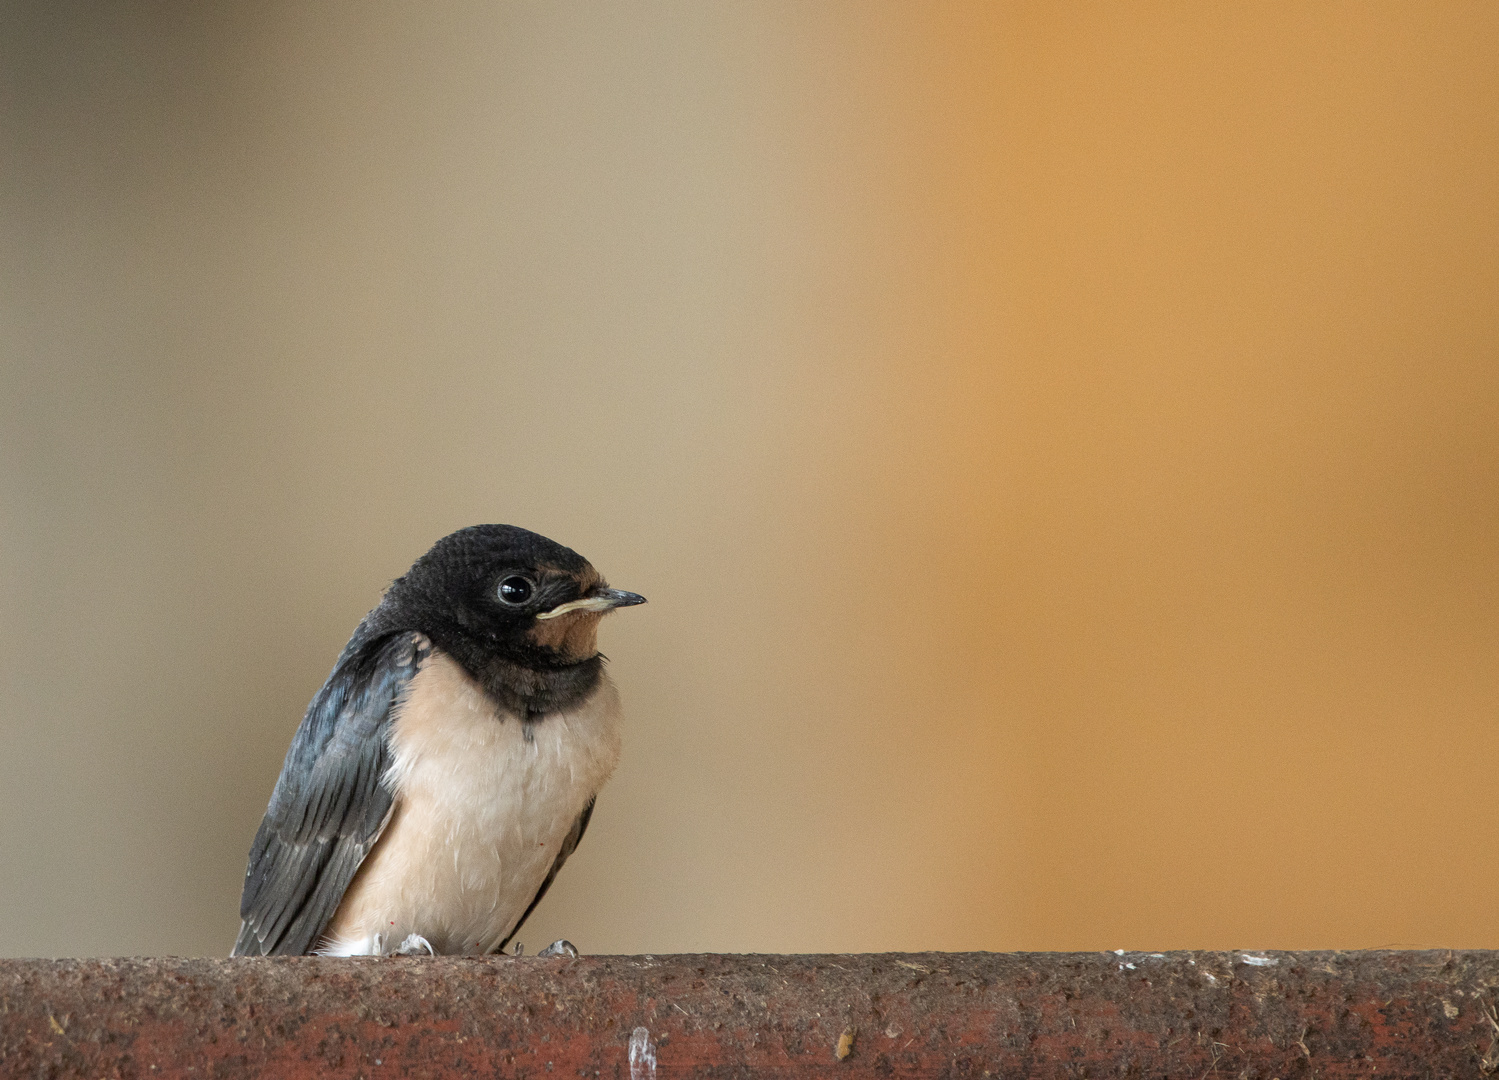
(515, 590)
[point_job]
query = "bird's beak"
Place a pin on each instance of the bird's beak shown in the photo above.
(618, 598)
(599, 599)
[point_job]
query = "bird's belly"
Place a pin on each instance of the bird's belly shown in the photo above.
(481, 811)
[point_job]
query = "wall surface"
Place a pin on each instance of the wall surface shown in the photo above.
(1060, 445)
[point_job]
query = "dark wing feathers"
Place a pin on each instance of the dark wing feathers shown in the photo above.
(569, 845)
(329, 805)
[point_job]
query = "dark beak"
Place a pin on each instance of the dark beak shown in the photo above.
(618, 597)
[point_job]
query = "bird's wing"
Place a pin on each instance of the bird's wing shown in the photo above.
(329, 805)
(569, 845)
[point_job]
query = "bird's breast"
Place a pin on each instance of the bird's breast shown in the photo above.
(483, 803)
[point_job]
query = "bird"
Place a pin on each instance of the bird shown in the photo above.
(449, 765)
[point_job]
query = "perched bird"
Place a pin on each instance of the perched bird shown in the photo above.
(449, 765)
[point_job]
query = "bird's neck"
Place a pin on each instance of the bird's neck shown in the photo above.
(533, 683)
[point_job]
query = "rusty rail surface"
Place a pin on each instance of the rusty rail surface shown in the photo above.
(1277, 1014)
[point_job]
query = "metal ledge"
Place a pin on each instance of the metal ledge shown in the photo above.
(1180, 1014)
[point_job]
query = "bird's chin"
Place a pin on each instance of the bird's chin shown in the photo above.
(572, 636)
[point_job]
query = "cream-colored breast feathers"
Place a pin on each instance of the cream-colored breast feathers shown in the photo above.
(482, 809)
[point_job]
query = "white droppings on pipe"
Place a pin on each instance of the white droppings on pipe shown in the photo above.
(642, 1055)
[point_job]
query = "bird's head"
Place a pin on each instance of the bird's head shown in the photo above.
(501, 592)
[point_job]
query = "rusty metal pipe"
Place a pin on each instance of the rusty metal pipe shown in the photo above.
(1277, 1014)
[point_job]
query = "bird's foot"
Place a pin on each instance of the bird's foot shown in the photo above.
(414, 945)
(560, 947)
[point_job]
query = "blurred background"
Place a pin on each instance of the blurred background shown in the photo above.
(1059, 442)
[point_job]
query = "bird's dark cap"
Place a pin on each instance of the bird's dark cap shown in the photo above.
(496, 545)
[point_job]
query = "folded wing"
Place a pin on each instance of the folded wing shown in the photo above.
(329, 805)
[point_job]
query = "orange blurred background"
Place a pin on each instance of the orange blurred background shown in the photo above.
(1060, 444)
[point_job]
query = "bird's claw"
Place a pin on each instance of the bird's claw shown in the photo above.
(560, 947)
(415, 945)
